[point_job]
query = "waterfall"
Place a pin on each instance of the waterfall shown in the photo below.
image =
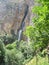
(22, 23)
(20, 33)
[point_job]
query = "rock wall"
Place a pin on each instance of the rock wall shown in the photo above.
(11, 14)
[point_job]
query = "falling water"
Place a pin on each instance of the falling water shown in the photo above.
(20, 33)
(23, 23)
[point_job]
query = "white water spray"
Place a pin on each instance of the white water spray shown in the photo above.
(19, 36)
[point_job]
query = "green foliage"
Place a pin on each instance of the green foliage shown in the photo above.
(44, 52)
(41, 61)
(39, 33)
(18, 55)
(26, 49)
(13, 55)
(6, 38)
(11, 46)
(2, 53)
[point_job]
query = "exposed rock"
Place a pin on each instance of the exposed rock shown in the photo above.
(11, 14)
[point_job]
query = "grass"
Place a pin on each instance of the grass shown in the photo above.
(41, 61)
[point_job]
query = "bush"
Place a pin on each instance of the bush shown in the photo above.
(26, 49)
(2, 53)
(11, 46)
(8, 39)
(43, 53)
(13, 55)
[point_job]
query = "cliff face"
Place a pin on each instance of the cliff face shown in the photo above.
(11, 14)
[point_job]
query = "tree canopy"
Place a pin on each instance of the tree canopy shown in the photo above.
(39, 33)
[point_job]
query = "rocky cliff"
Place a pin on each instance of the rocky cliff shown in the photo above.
(11, 14)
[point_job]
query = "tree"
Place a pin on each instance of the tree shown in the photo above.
(39, 33)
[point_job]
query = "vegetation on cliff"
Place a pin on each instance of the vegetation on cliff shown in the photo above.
(14, 52)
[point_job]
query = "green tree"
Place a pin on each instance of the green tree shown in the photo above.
(39, 33)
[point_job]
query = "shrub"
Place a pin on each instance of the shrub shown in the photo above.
(2, 53)
(26, 49)
(11, 46)
(13, 55)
